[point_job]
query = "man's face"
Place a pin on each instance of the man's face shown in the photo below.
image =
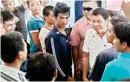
(110, 33)
(87, 8)
(2, 30)
(62, 19)
(35, 6)
(99, 24)
(24, 53)
(117, 44)
(9, 25)
(9, 4)
(50, 18)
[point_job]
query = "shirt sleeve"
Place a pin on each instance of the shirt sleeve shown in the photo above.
(32, 26)
(21, 8)
(75, 36)
(86, 42)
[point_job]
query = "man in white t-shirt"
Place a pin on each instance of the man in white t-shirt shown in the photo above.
(49, 23)
(95, 39)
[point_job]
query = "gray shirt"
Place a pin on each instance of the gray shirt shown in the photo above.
(21, 24)
(11, 74)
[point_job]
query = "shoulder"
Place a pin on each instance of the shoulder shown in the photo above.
(109, 53)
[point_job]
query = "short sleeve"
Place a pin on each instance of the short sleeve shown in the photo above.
(86, 42)
(32, 26)
(75, 36)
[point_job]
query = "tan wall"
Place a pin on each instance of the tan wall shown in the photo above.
(126, 9)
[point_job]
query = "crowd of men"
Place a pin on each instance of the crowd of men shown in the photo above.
(96, 48)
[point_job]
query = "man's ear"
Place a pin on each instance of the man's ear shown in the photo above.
(20, 54)
(124, 45)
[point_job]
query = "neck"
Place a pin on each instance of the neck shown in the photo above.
(37, 16)
(13, 65)
(127, 50)
(61, 29)
(48, 25)
(101, 35)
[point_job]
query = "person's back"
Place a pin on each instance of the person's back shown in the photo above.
(41, 67)
(13, 53)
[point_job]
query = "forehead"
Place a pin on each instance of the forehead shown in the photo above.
(63, 14)
(34, 1)
(12, 21)
(91, 4)
(8, 1)
(97, 17)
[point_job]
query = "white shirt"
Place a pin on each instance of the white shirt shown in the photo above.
(42, 35)
(13, 72)
(94, 44)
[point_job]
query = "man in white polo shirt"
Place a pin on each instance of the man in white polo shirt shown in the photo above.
(95, 39)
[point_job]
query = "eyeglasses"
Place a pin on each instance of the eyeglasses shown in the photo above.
(87, 8)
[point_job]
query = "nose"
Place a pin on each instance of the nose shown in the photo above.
(95, 24)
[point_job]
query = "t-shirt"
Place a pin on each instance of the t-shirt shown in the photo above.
(34, 25)
(118, 69)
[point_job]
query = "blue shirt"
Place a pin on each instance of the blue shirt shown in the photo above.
(102, 59)
(34, 25)
(118, 69)
(78, 9)
(62, 47)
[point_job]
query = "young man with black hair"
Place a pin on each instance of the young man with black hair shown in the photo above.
(13, 54)
(58, 42)
(119, 69)
(41, 67)
(49, 24)
(8, 20)
(95, 39)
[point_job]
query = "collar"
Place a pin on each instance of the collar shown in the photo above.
(125, 55)
(86, 21)
(36, 18)
(11, 69)
(96, 34)
(57, 32)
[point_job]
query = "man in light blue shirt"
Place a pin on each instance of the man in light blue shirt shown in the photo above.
(119, 69)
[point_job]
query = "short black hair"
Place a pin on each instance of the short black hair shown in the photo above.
(6, 15)
(118, 18)
(41, 67)
(122, 32)
(61, 7)
(101, 11)
(11, 44)
(46, 10)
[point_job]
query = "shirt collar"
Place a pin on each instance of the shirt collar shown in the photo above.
(11, 69)
(57, 32)
(125, 55)
(86, 21)
(36, 18)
